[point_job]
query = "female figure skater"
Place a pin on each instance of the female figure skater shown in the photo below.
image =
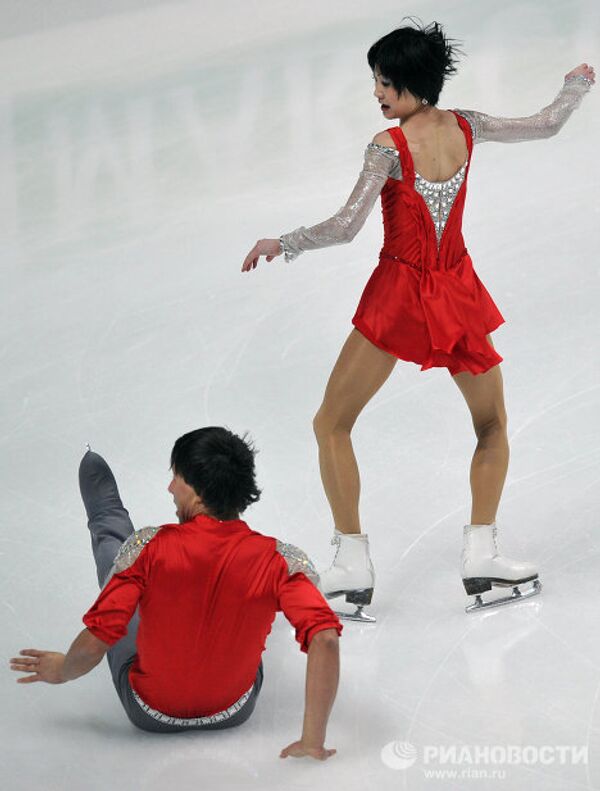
(424, 302)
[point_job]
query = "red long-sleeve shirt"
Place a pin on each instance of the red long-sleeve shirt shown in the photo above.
(208, 592)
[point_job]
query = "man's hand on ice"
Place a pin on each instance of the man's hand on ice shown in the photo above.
(41, 665)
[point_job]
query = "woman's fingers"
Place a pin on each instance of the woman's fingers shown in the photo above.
(583, 69)
(267, 247)
(251, 259)
(589, 69)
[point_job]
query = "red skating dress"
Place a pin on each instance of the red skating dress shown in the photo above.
(424, 302)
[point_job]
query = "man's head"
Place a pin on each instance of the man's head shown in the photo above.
(213, 473)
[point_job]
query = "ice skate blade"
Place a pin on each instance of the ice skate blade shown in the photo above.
(359, 596)
(358, 615)
(516, 595)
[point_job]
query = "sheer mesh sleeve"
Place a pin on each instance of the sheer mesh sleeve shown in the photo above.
(546, 123)
(379, 163)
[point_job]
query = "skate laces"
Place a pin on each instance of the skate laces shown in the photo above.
(494, 548)
(495, 539)
(336, 540)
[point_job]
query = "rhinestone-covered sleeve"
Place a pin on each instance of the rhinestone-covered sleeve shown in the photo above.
(545, 123)
(298, 560)
(380, 162)
(130, 549)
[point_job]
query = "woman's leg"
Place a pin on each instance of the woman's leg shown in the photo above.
(484, 395)
(483, 565)
(361, 369)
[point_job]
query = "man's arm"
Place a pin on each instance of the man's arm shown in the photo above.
(106, 622)
(317, 631)
(322, 675)
(56, 668)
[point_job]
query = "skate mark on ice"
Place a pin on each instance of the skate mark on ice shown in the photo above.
(428, 530)
(550, 408)
(569, 646)
(594, 452)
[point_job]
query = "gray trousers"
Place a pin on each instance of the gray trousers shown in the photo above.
(110, 525)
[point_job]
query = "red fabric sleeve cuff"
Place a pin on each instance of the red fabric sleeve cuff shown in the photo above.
(97, 630)
(320, 627)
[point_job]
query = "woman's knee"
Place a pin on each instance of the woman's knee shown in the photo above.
(494, 424)
(321, 423)
(327, 422)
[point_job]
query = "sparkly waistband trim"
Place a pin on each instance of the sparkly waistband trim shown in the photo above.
(400, 260)
(418, 267)
(167, 719)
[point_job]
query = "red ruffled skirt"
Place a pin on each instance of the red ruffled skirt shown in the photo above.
(435, 318)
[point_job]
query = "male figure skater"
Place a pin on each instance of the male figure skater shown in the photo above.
(185, 608)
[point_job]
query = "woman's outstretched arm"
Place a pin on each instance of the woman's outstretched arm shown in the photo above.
(379, 163)
(545, 123)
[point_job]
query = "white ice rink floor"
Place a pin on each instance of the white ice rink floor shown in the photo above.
(144, 147)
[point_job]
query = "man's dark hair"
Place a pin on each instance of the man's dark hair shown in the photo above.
(219, 466)
(417, 59)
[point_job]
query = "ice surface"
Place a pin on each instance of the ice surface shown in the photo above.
(144, 147)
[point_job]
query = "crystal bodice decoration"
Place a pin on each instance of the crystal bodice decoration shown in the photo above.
(439, 197)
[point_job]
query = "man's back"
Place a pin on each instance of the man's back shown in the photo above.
(208, 591)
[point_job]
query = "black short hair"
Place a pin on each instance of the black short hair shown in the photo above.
(417, 59)
(219, 466)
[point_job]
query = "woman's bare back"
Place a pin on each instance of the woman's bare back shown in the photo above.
(437, 144)
(438, 148)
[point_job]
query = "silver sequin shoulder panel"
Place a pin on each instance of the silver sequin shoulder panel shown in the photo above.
(130, 549)
(298, 560)
(392, 156)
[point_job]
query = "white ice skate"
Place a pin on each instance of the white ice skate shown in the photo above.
(483, 567)
(351, 575)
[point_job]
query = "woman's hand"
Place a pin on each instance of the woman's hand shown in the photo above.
(300, 750)
(269, 247)
(585, 70)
